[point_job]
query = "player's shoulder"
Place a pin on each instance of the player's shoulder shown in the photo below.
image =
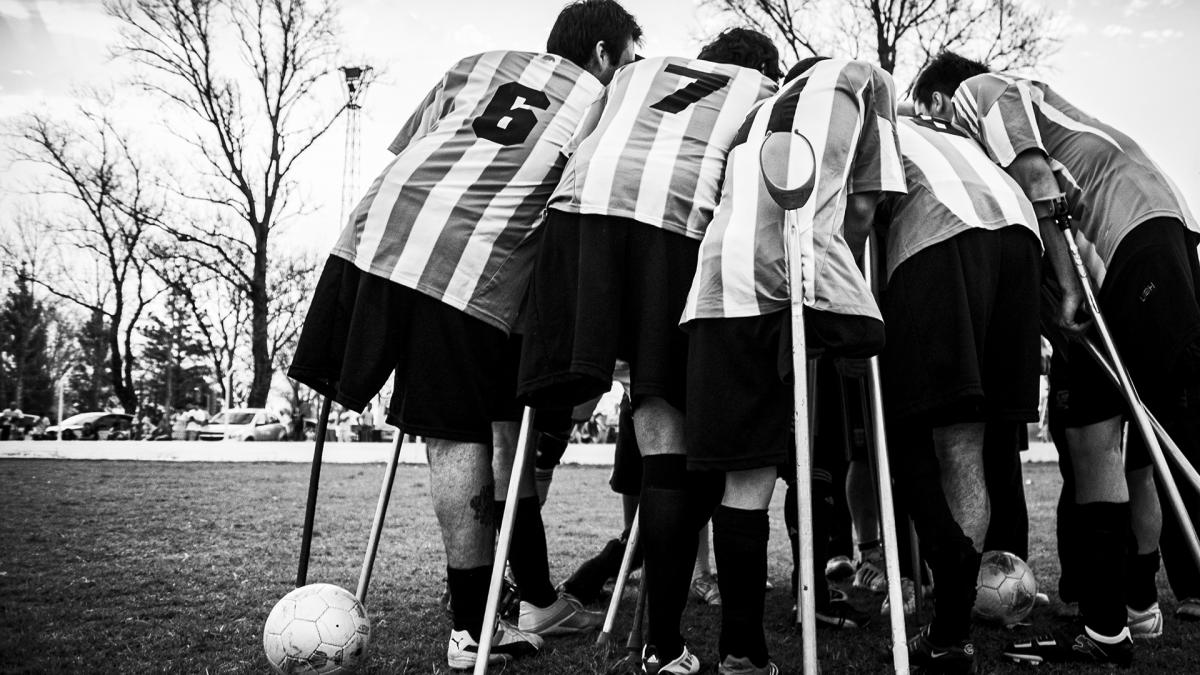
(514, 63)
(929, 126)
(987, 87)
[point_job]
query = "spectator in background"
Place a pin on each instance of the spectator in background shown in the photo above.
(9, 420)
(366, 424)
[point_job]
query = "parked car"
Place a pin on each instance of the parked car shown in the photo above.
(244, 424)
(92, 426)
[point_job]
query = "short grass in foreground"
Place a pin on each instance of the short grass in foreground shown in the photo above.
(127, 567)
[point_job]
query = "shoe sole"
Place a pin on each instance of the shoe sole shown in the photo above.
(1025, 659)
(467, 663)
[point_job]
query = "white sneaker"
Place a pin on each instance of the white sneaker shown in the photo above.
(870, 577)
(684, 664)
(1146, 624)
(739, 665)
(564, 616)
(908, 593)
(839, 568)
(507, 643)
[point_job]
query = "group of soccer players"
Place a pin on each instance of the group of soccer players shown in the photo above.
(549, 214)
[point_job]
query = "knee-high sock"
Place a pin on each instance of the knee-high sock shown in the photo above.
(1142, 568)
(527, 556)
(468, 597)
(740, 548)
(668, 548)
(1104, 540)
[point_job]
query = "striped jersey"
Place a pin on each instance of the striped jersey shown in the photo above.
(847, 110)
(952, 187)
(453, 213)
(1111, 184)
(658, 151)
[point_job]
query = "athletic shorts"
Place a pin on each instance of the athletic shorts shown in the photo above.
(963, 330)
(626, 478)
(605, 288)
(1151, 301)
(739, 383)
(455, 374)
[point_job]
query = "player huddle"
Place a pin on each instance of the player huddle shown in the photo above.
(548, 215)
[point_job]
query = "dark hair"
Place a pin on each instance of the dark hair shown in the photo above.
(943, 74)
(744, 47)
(803, 65)
(581, 24)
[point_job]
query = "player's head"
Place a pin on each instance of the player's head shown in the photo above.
(744, 47)
(802, 66)
(934, 88)
(596, 35)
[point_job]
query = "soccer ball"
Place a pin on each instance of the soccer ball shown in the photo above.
(319, 628)
(1006, 589)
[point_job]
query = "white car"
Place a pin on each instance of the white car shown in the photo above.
(244, 424)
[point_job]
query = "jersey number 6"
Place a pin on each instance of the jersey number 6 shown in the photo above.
(504, 120)
(702, 85)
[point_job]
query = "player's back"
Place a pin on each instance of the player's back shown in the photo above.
(658, 151)
(474, 168)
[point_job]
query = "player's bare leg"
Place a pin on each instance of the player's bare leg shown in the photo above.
(740, 533)
(959, 449)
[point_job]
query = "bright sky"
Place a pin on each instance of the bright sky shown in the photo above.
(1130, 63)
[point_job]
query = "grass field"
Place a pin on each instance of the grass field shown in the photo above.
(130, 567)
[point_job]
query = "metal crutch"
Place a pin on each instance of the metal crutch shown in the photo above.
(314, 481)
(605, 636)
(385, 495)
(503, 542)
(1125, 384)
(887, 512)
(788, 167)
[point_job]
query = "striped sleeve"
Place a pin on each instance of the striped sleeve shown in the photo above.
(877, 162)
(999, 112)
(420, 122)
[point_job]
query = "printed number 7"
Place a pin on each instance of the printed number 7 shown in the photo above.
(508, 118)
(702, 85)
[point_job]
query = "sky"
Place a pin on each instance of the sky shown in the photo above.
(1130, 63)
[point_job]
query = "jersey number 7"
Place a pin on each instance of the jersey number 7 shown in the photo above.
(702, 85)
(508, 118)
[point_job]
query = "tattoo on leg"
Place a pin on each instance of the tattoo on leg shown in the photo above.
(483, 505)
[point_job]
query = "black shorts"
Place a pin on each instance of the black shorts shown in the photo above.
(739, 384)
(605, 288)
(1151, 301)
(455, 374)
(962, 330)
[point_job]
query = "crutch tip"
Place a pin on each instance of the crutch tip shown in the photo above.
(605, 639)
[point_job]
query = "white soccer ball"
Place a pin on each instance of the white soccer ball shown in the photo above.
(319, 628)
(1005, 590)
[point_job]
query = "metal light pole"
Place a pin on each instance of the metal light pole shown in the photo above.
(356, 81)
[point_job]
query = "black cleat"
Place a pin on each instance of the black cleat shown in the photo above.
(1079, 648)
(958, 659)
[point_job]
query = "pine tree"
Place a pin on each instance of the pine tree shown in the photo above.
(24, 361)
(89, 386)
(172, 361)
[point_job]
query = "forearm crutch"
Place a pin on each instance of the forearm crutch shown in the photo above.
(631, 543)
(385, 495)
(1125, 385)
(636, 640)
(1157, 432)
(503, 541)
(887, 512)
(314, 481)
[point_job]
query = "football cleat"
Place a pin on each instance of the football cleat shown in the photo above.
(839, 568)
(957, 659)
(1080, 648)
(1188, 609)
(1146, 624)
(564, 616)
(684, 664)
(704, 589)
(507, 643)
(741, 665)
(870, 577)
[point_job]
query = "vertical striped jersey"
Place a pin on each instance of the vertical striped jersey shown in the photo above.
(659, 150)
(1112, 185)
(453, 213)
(952, 187)
(847, 111)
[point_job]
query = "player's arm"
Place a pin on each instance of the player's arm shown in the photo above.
(878, 169)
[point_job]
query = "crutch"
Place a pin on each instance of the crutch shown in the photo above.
(788, 168)
(605, 637)
(887, 512)
(636, 640)
(502, 544)
(1151, 431)
(385, 495)
(314, 481)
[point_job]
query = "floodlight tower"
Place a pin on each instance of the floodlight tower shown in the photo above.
(356, 85)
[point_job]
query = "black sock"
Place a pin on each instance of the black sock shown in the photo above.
(669, 546)
(468, 597)
(740, 549)
(1142, 589)
(1104, 538)
(791, 520)
(527, 554)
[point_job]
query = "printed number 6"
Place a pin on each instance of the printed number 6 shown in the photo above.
(505, 120)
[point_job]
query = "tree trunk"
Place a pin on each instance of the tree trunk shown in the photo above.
(260, 352)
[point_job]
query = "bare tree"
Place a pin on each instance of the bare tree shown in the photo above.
(1008, 34)
(109, 204)
(248, 72)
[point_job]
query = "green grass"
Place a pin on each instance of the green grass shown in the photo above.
(130, 567)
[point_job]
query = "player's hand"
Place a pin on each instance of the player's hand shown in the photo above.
(856, 368)
(1073, 318)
